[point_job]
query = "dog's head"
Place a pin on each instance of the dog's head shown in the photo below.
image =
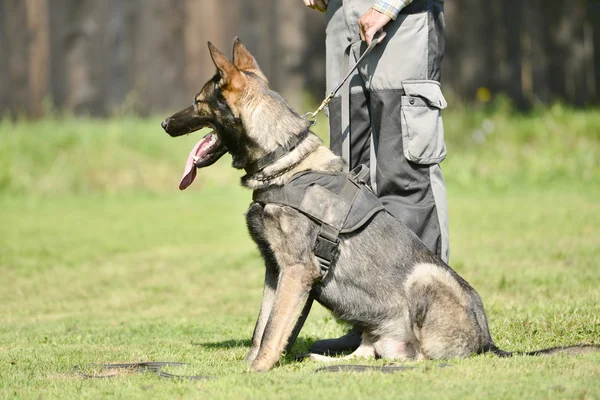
(226, 103)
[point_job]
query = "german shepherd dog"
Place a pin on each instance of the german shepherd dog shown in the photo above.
(408, 304)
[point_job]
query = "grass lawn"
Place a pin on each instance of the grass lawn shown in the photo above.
(103, 260)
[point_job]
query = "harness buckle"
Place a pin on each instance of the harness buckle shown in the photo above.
(325, 248)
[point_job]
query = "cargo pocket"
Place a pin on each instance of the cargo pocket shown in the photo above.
(422, 128)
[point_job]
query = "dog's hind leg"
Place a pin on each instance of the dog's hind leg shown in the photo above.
(365, 350)
(388, 347)
(396, 349)
(292, 292)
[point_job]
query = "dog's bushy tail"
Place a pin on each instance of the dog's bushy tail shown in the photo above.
(568, 350)
(492, 348)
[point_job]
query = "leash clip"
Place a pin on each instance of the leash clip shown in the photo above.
(312, 116)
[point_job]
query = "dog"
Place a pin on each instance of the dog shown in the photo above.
(407, 302)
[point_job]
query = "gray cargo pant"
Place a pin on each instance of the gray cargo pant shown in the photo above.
(395, 104)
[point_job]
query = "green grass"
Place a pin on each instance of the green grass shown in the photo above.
(103, 260)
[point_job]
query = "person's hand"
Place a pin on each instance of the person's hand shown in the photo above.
(369, 24)
(320, 5)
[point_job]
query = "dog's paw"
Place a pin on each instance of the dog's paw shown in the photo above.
(251, 356)
(261, 366)
(319, 358)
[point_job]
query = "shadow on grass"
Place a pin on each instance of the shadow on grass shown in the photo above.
(225, 344)
(300, 346)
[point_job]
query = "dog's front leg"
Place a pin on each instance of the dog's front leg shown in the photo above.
(299, 324)
(291, 295)
(265, 311)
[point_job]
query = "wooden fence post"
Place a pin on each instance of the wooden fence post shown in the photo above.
(39, 55)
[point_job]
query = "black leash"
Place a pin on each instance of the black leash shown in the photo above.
(312, 116)
(141, 367)
(386, 369)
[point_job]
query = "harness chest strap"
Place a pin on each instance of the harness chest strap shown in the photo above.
(325, 248)
(339, 202)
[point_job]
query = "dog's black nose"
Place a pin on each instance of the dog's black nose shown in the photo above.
(165, 123)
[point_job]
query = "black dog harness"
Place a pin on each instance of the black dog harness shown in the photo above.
(339, 202)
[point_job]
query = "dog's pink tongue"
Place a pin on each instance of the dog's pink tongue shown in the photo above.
(189, 174)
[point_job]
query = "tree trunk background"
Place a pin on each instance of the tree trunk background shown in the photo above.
(107, 57)
(4, 94)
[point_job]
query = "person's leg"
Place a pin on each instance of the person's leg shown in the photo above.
(339, 34)
(402, 76)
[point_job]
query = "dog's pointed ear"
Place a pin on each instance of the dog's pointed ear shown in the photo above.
(243, 60)
(229, 72)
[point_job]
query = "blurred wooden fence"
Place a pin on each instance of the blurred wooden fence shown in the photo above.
(532, 50)
(100, 57)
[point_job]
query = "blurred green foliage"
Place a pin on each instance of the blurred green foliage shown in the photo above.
(492, 147)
